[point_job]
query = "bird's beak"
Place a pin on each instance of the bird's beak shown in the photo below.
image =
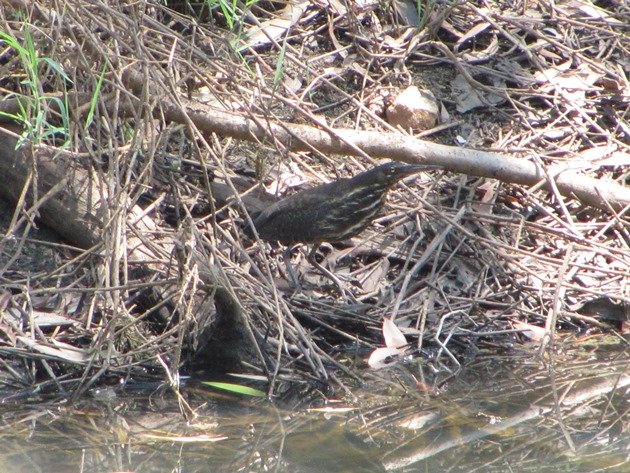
(415, 168)
(425, 167)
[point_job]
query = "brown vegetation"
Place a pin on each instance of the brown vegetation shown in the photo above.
(133, 158)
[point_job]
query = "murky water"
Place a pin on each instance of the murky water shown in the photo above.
(497, 415)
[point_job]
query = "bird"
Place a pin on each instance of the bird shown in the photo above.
(335, 211)
(331, 212)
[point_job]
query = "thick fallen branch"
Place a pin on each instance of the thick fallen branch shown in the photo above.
(588, 190)
(296, 137)
(66, 199)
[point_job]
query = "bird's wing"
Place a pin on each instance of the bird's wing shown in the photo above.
(296, 202)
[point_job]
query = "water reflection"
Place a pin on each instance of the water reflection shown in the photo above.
(495, 416)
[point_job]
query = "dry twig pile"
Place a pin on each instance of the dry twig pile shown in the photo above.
(139, 113)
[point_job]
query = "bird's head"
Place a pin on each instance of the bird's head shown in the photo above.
(394, 171)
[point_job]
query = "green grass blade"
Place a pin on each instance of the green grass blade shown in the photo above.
(235, 388)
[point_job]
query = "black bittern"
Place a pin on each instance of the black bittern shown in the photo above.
(331, 212)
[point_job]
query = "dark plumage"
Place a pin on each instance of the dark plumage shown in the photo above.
(332, 212)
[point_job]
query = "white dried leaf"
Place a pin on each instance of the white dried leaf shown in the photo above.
(394, 338)
(383, 357)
